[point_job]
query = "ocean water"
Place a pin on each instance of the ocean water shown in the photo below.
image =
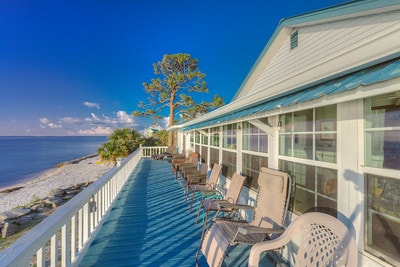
(24, 158)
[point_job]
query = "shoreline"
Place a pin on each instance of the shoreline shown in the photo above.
(84, 169)
(37, 175)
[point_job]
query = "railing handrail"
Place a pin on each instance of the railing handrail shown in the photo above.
(104, 190)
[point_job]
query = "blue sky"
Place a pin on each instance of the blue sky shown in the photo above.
(77, 67)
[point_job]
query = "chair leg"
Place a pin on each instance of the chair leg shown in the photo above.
(198, 212)
(198, 252)
(205, 223)
(186, 186)
(188, 191)
(193, 195)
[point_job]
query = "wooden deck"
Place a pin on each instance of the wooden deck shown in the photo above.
(150, 224)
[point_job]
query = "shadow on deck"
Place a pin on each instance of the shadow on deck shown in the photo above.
(150, 224)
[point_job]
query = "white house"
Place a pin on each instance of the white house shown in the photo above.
(322, 102)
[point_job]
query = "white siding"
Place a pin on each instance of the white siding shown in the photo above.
(321, 44)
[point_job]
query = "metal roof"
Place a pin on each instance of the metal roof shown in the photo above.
(378, 73)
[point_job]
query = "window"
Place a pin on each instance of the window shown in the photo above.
(382, 151)
(316, 187)
(229, 162)
(214, 155)
(214, 136)
(254, 139)
(197, 137)
(382, 131)
(191, 140)
(230, 136)
(294, 39)
(204, 154)
(309, 134)
(251, 168)
(383, 216)
(204, 137)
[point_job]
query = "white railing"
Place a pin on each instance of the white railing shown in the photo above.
(63, 237)
(153, 150)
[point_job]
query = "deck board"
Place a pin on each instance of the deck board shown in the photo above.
(150, 224)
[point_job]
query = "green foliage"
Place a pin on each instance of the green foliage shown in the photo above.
(120, 144)
(178, 78)
(203, 107)
(123, 142)
(152, 141)
(162, 137)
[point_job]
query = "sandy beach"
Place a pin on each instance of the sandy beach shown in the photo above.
(86, 170)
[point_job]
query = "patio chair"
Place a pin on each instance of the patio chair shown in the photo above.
(193, 175)
(166, 154)
(189, 169)
(208, 187)
(322, 240)
(213, 203)
(179, 162)
(274, 189)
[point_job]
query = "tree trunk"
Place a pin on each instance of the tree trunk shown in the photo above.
(171, 138)
(171, 120)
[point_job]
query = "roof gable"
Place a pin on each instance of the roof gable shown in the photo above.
(352, 11)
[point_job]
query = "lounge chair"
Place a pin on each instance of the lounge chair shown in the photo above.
(322, 240)
(193, 175)
(214, 203)
(166, 154)
(208, 187)
(274, 189)
(178, 162)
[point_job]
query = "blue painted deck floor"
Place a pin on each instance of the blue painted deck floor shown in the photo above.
(150, 224)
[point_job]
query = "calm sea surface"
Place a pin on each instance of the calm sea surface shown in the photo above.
(24, 158)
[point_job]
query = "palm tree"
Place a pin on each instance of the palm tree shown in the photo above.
(112, 150)
(120, 144)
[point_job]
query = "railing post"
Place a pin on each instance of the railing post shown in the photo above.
(65, 245)
(86, 223)
(54, 251)
(41, 257)
(80, 229)
(73, 238)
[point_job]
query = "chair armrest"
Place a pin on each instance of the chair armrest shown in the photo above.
(185, 165)
(195, 176)
(257, 249)
(248, 229)
(196, 180)
(178, 161)
(235, 206)
(190, 170)
(211, 194)
(179, 156)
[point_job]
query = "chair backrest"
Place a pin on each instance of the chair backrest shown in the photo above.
(235, 188)
(214, 176)
(204, 169)
(170, 149)
(322, 240)
(193, 157)
(272, 198)
(326, 241)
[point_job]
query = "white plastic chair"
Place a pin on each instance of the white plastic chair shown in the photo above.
(324, 241)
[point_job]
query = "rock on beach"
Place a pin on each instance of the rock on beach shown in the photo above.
(66, 175)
